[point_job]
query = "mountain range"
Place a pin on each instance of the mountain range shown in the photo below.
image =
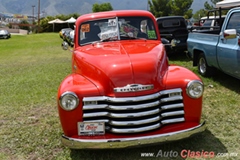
(55, 7)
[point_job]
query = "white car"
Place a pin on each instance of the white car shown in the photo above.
(4, 34)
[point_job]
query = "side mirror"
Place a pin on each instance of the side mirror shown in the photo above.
(165, 41)
(65, 45)
(230, 33)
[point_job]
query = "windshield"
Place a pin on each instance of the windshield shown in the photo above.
(119, 28)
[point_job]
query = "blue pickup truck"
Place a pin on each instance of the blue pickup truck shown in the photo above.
(217, 48)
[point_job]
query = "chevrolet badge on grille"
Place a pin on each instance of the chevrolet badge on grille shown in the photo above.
(134, 88)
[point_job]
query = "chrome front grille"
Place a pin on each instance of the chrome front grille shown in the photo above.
(135, 114)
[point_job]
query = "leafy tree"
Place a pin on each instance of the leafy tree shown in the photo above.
(102, 7)
(159, 8)
(208, 6)
(203, 12)
(25, 25)
(171, 7)
(200, 13)
(45, 27)
(181, 7)
(211, 7)
(65, 17)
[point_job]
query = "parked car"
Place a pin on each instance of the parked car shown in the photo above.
(174, 29)
(69, 37)
(4, 34)
(67, 34)
(122, 92)
(62, 31)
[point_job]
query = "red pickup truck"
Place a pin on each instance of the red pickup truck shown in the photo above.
(122, 91)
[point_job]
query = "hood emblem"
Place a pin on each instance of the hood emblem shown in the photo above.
(134, 88)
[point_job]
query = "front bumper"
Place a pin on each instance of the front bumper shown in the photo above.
(130, 142)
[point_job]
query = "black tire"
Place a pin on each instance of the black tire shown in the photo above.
(203, 68)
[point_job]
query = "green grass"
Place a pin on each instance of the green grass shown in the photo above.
(31, 69)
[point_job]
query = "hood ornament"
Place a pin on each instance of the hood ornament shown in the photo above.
(134, 88)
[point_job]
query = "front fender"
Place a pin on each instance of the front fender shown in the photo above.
(81, 87)
(179, 77)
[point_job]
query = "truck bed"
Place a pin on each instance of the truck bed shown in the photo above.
(204, 41)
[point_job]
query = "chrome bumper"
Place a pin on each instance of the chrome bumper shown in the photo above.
(75, 143)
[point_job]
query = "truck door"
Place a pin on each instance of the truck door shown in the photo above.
(228, 50)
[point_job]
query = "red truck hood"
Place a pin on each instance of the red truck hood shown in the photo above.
(114, 65)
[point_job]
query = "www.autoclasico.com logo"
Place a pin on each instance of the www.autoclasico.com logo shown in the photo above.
(188, 154)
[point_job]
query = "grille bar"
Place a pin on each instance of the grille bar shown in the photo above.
(132, 123)
(175, 113)
(121, 100)
(172, 106)
(168, 121)
(120, 115)
(170, 99)
(123, 107)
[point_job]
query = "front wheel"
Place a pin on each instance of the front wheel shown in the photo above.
(203, 67)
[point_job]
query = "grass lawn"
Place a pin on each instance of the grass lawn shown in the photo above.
(31, 69)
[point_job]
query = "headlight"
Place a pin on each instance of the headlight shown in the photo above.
(69, 101)
(195, 89)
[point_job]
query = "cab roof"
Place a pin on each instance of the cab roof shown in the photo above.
(110, 14)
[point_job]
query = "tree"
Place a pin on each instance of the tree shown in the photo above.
(181, 7)
(203, 12)
(200, 13)
(208, 6)
(159, 8)
(171, 7)
(102, 7)
(24, 25)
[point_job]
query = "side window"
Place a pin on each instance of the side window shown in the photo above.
(151, 30)
(234, 22)
(171, 23)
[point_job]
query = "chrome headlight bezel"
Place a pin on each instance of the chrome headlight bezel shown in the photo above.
(68, 101)
(195, 89)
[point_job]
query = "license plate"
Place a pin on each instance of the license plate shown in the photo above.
(91, 128)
